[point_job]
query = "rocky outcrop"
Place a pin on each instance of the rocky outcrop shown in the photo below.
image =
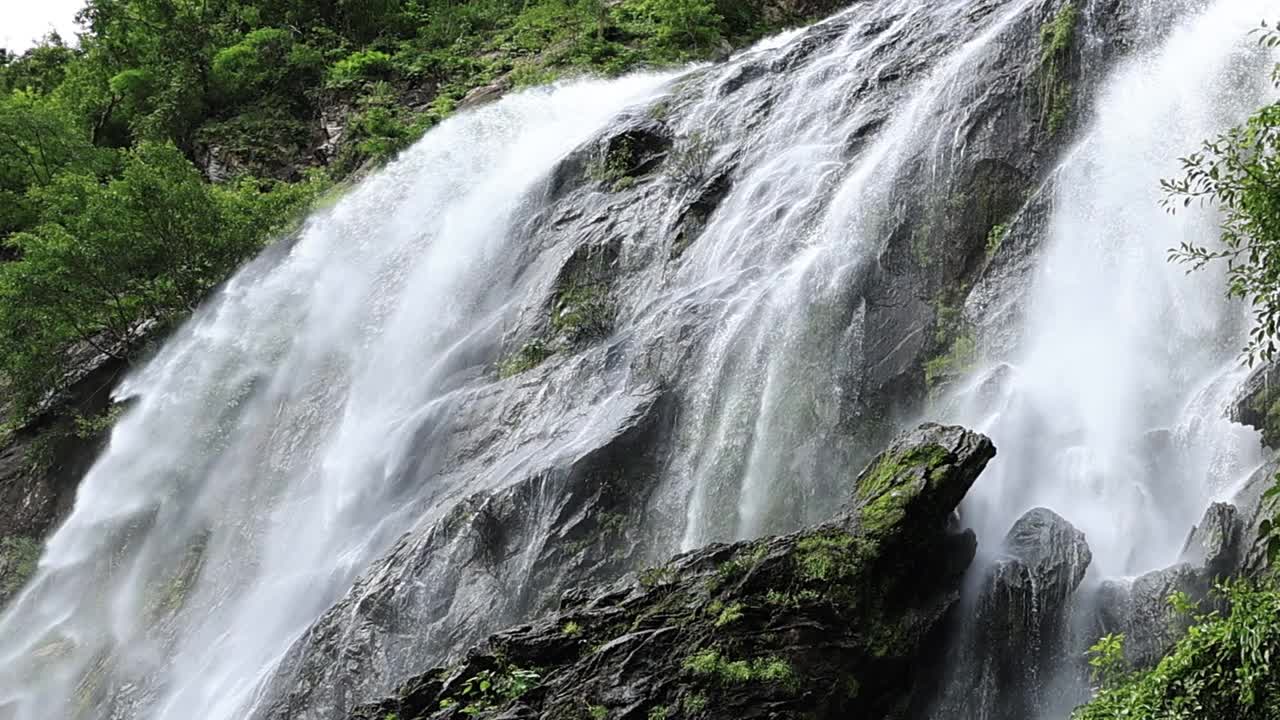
(1141, 610)
(1257, 403)
(1018, 633)
(830, 622)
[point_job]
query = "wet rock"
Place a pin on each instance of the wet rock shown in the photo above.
(1217, 543)
(826, 622)
(484, 94)
(1141, 610)
(496, 557)
(1257, 403)
(1053, 551)
(1019, 633)
(43, 460)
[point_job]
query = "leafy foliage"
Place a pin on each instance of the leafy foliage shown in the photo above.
(490, 688)
(104, 257)
(1239, 173)
(1221, 669)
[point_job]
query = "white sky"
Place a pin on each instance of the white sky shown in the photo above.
(22, 22)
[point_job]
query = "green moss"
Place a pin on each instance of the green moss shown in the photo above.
(888, 472)
(659, 713)
(611, 166)
(530, 356)
(582, 311)
(883, 509)
(995, 238)
(1056, 39)
(19, 557)
(572, 629)
(709, 664)
(826, 556)
(598, 712)
(958, 359)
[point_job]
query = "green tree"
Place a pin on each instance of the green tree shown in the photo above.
(148, 245)
(1239, 172)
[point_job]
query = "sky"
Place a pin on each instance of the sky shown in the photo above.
(22, 22)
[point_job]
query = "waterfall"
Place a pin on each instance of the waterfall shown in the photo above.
(1111, 409)
(279, 524)
(1109, 403)
(265, 459)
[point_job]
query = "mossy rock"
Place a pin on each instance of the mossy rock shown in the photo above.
(829, 622)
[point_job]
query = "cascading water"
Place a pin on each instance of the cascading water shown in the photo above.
(339, 393)
(1111, 410)
(265, 462)
(1110, 404)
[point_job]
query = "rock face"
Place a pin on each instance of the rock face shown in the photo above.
(41, 464)
(1020, 623)
(829, 622)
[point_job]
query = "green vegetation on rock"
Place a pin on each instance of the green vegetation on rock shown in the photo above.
(18, 559)
(711, 664)
(825, 622)
(1221, 669)
(1056, 39)
(958, 350)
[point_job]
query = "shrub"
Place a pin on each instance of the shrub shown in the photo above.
(360, 66)
(265, 60)
(1220, 669)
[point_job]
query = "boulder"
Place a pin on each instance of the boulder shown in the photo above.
(1019, 632)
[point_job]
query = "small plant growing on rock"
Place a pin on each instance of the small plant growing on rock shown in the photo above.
(694, 704)
(1106, 657)
(572, 629)
(655, 577)
(710, 664)
(995, 238)
(729, 615)
(690, 160)
(530, 356)
(488, 689)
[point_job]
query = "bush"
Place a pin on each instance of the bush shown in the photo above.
(149, 244)
(253, 66)
(359, 67)
(1221, 669)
